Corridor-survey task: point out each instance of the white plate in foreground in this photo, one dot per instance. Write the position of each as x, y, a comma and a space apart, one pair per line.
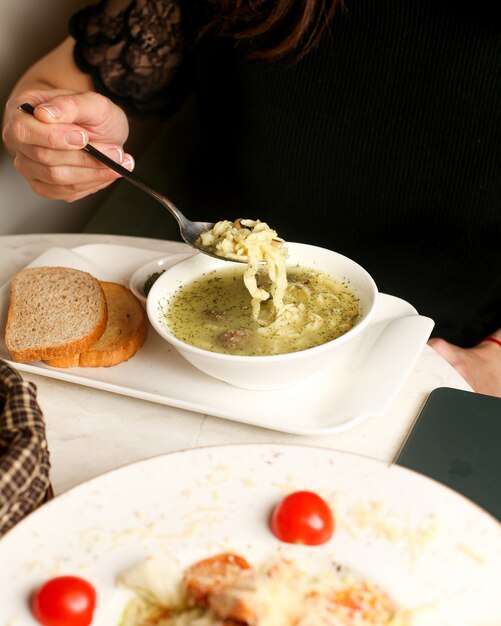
431, 549
322, 404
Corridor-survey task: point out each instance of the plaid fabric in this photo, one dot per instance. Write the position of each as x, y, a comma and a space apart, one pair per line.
24, 456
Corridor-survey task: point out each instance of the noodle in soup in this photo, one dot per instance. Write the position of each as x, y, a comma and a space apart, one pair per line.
214, 312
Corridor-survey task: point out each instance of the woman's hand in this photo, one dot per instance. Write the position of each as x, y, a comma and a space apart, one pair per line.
479, 366
47, 146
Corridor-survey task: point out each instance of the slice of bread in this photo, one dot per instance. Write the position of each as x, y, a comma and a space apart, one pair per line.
53, 312
125, 332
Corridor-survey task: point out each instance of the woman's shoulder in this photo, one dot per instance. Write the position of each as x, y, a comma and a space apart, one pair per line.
135, 52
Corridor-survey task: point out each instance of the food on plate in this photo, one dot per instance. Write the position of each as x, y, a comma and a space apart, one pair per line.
213, 313
303, 517
256, 243
53, 312
124, 334
64, 601
224, 590
222, 569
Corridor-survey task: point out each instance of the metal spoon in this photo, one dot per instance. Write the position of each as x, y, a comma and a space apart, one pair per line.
190, 231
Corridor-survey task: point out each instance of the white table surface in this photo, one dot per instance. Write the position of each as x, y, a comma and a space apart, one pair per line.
91, 431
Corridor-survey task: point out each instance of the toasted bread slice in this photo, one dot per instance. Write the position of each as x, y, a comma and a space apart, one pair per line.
124, 335
53, 312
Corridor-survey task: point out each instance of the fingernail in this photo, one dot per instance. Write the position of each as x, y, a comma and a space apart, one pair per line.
76, 138
129, 163
115, 154
51, 110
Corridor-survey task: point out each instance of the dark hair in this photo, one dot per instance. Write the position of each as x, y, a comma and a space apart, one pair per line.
282, 28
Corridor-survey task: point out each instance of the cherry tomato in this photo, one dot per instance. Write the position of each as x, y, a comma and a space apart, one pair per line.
303, 517
64, 601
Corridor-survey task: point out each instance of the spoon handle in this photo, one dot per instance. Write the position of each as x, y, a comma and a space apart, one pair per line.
132, 178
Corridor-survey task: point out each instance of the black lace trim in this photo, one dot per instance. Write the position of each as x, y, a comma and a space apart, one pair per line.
136, 53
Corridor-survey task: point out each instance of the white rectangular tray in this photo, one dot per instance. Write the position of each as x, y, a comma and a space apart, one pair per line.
320, 405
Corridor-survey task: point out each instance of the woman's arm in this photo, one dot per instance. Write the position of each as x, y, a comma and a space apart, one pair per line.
68, 114
480, 366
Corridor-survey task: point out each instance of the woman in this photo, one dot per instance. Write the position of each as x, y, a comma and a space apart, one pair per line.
371, 128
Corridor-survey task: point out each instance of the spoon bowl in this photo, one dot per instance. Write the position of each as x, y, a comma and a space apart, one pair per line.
190, 231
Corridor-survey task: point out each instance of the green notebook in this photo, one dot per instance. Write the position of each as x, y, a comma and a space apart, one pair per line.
457, 441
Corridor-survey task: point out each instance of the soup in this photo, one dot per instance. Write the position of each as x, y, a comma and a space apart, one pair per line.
214, 312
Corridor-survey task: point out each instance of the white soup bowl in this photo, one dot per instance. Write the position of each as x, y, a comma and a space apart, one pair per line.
275, 371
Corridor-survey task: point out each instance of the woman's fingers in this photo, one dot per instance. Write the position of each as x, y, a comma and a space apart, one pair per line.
47, 146
50, 179
52, 158
65, 121
27, 131
65, 192
58, 169
98, 116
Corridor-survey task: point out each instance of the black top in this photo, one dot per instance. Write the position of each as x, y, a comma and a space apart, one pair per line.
383, 143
